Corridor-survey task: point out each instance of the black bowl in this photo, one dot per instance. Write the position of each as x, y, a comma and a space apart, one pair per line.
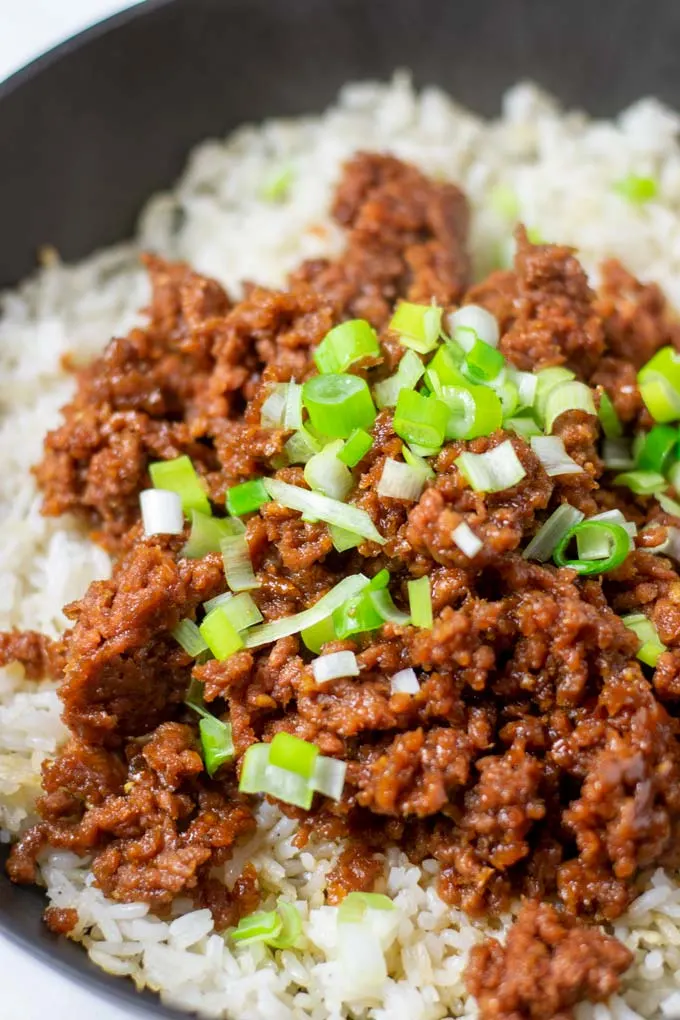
94, 127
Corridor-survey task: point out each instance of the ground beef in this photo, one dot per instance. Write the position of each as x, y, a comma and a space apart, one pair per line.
549, 963
61, 920
538, 757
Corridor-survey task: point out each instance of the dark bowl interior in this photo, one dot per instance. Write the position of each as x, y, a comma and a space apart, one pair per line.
97, 125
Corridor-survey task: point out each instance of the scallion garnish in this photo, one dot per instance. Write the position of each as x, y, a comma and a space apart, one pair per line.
549, 535
659, 384
609, 419
179, 475
240, 609
325, 472
187, 634
219, 634
207, 533
636, 189
334, 666
301, 446
162, 512
421, 420
483, 363
651, 645
338, 404
357, 445
482, 323
346, 344
420, 602
466, 540
473, 411
567, 396
418, 326
401, 481
342, 515
493, 471
642, 483
216, 743
409, 372
553, 456
238, 567
304, 771
404, 682
657, 448
307, 620
610, 541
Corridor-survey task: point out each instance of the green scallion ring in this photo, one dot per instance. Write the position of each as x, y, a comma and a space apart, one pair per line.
619, 547
338, 404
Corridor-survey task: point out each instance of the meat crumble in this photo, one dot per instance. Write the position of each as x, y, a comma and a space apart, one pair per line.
538, 757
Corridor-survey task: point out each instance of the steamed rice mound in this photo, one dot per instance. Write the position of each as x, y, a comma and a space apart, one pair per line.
50, 563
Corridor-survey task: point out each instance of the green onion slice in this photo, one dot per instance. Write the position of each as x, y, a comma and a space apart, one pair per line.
338, 404
421, 420
291, 927
345, 344
612, 551
216, 743
483, 363
240, 609
670, 506
553, 456
651, 646
552, 531
617, 454
301, 446
273, 410
355, 448
187, 634
325, 472
355, 905
473, 411
567, 396
642, 483
657, 448
342, 515
609, 419
357, 615
420, 602
636, 189
524, 427
342, 539
418, 326
493, 471
292, 413
238, 567
207, 533
219, 634
401, 481
659, 383
179, 475
478, 320
290, 752
262, 926
409, 372
309, 618
546, 381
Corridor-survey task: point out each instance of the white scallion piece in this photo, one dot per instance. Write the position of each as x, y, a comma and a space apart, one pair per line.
328, 777
273, 410
404, 682
614, 517
553, 456
551, 532
238, 567
161, 512
466, 540
321, 610
476, 318
617, 454
335, 665
332, 511
400, 481
326, 474
493, 471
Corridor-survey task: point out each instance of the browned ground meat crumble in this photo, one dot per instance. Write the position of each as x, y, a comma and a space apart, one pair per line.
537, 760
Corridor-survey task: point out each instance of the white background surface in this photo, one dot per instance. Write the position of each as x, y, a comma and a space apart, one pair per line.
29, 991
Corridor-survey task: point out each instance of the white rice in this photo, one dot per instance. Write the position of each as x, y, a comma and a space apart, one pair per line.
562, 167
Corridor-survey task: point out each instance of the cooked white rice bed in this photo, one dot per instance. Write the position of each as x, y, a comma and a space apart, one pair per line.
562, 168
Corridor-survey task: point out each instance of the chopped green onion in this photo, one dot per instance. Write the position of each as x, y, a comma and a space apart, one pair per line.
278, 183
238, 567
273, 410
301, 446
334, 666
355, 905
466, 540
651, 646
444, 368
194, 699
567, 396
546, 381
404, 682
657, 448
325, 473
216, 742
417, 462
637, 190
319, 634
508, 394
343, 515
483, 363
493, 471
408, 373
420, 420
292, 414
241, 611
609, 419
400, 481
609, 515
179, 475
482, 323
503, 200
524, 427
345, 344
551, 532
527, 384
291, 927
262, 926
161, 512
642, 483
617, 454
219, 634
338, 404
207, 533
246, 497
329, 777
342, 539
420, 602
357, 615
418, 326
674, 475
187, 634
309, 618
473, 411
659, 383
381, 580
553, 456
356, 447
670, 506
612, 553
289, 752
384, 605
